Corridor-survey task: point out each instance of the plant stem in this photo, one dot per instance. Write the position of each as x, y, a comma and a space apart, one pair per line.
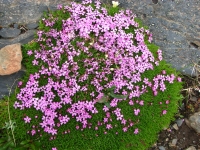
11, 127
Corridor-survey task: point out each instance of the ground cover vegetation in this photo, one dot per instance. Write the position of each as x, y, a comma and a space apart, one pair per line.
94, 81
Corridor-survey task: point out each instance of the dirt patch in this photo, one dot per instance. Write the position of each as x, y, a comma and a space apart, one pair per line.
182, 137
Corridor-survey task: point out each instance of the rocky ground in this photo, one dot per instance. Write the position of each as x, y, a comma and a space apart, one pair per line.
179, 136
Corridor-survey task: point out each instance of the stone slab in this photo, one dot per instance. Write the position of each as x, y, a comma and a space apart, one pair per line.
22, 38
7, 81
9, 32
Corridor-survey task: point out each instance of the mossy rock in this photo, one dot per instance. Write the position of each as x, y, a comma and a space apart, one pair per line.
77, 76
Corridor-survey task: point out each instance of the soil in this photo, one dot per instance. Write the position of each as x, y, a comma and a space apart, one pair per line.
183, 137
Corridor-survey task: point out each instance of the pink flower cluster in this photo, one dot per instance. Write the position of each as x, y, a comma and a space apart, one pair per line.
119, 63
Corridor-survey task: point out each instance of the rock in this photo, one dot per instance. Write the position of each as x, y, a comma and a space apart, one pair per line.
31, 26
161, 148
9, 32
179, 122
26, 11
173, 143
175, 126
7, 81
194, 122
155, 1
191, 148
194, 99
22, 38
15, 25
10, 59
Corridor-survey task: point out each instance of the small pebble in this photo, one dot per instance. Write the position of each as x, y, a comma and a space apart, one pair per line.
194, 99
174, 141
173, 144
161, 148
191, 148
179, 122
175, 126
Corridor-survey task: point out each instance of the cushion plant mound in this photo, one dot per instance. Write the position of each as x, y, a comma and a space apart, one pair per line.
94, 82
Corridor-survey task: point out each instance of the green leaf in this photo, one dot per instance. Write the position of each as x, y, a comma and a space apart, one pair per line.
118, 96
5, 146
20, 148
107, 104
32, 147
3, 140
12, 144
37, 144
111, 89
24, 142
10, 125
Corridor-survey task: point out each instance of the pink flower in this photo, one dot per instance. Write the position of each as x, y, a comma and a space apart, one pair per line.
167, 101
136, 111
108, 114
125, 129
20, 83
136, 131
33, 132
27, 119
77, 127
109, 126
54, 148
105, 120
164, 112
179, 79
163, 72
105, 108
155, 93
141, 103
131, 102
29, 52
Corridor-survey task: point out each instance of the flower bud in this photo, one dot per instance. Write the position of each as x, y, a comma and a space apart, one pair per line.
115, 3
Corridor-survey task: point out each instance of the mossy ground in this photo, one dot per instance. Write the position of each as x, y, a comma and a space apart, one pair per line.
150, 121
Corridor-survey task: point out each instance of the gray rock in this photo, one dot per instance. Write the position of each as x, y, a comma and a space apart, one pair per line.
179, 122
26, 11
175, 126
31, 26
9, 32
193, 98
173, 143
194, 122
161, 148
22, 38
7, 81
191, 148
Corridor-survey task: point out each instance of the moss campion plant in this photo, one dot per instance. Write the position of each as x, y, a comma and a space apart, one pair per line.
94, 81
